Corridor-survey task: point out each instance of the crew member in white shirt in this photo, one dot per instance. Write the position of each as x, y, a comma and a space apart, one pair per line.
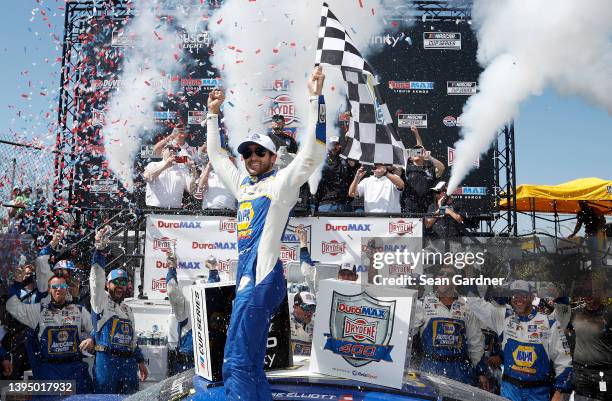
380, 192
168, 179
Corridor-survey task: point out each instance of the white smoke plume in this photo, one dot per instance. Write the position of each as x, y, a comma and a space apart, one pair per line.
146, 71
256, 42
526, 46
260, 41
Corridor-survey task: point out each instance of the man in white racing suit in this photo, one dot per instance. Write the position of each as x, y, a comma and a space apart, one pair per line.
265, 198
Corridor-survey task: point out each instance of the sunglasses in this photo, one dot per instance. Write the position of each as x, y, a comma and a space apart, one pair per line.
259, 151
120, 281
308, 307
62, 286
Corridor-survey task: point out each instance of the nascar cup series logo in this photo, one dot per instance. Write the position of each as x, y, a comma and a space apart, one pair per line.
360, 328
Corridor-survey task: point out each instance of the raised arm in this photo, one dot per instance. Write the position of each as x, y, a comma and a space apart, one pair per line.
313, 148
43, 269
28, 314
220, 161
97, 277
175, 295
491, 316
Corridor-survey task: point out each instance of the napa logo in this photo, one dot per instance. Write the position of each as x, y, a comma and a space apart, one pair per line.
524, 358
245, 216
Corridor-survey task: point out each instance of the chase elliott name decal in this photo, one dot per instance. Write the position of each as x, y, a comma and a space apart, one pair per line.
360, 328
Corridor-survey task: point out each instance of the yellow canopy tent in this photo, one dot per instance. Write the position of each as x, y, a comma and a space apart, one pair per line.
563, 198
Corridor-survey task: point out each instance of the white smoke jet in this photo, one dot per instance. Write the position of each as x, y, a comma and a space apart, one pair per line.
526, 46
145, 73
258, 42
130, 109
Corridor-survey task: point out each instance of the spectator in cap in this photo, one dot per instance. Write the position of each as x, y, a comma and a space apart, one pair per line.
332, 192
169, 178
119, 360
280, 136
537, 360
302, 312
422, 170
447, 220
380, 192
347, 273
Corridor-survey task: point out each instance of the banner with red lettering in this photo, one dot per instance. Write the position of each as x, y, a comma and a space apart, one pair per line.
196, 238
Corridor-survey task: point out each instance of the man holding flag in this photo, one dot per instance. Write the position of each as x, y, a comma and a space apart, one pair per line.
265, 198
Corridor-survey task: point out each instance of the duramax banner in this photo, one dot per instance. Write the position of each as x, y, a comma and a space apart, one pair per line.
196, 238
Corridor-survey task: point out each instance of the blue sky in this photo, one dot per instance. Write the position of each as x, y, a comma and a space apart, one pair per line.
558, 138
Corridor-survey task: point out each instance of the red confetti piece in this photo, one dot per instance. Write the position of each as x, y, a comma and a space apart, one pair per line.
275, 50
394, 24
361, 3
372, 10
147, 83
219, 21
157, 36
257, 51
333, 88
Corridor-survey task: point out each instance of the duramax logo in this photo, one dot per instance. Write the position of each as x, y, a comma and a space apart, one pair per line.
348, 227
213, 245
411, 86
180, 265
179, 224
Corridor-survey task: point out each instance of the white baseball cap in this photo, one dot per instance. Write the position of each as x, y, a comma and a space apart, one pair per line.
259, 139
333, 139
520, 285
308, 298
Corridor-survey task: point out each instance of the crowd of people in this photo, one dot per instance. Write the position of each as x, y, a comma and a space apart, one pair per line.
184, 174
513, 346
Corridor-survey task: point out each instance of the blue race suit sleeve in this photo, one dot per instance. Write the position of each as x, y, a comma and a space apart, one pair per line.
305, 256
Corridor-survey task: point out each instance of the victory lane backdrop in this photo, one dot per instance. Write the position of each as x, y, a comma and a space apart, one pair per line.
432, 73
427, 73
196, 238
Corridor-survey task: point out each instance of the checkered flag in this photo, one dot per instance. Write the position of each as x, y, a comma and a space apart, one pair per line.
371, 137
